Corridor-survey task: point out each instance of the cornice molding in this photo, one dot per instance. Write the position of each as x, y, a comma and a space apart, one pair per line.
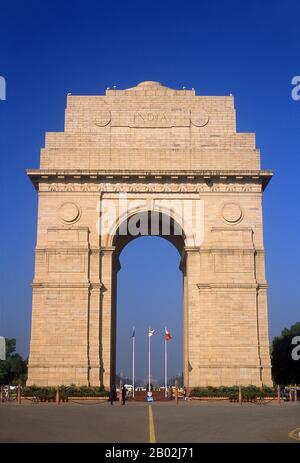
71, 177
228, 250
229, 286
36, 284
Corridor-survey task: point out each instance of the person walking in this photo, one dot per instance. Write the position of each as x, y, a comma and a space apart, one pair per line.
123, 394
112, 395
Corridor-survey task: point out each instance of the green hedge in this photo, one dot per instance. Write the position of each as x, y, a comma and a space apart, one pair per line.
49, 393
83, 391
42, 393
248, 392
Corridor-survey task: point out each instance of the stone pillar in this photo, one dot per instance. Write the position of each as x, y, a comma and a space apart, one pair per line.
262, 318
185, 322
263, 334
191, 320
94, 334
107, 318
59, 352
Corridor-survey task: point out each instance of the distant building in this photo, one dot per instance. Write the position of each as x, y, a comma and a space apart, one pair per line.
2, 348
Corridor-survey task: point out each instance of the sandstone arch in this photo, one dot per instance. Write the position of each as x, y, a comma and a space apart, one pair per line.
152, 143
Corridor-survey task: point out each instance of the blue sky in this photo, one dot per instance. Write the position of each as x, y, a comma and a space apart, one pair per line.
50, 48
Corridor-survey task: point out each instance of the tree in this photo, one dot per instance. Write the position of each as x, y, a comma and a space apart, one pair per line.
285, 370
14, 368
10, 346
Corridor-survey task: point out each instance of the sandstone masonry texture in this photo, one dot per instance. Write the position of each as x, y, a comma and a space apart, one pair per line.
150, 143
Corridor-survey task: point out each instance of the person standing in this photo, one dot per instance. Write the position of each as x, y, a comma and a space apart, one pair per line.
123, 394
112, 395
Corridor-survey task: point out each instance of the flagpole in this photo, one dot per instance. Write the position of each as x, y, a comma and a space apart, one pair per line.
133, 345
149, 355
166, 365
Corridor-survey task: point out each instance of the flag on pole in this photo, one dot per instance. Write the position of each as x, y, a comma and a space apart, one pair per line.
133, 332
167, 338
150, 332
167, 335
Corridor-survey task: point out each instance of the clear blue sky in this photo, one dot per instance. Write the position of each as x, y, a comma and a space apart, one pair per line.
49, 48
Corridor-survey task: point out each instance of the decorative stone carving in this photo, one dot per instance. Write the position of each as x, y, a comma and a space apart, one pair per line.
191, 187
232, 212
199, 118
102, 118
69, 212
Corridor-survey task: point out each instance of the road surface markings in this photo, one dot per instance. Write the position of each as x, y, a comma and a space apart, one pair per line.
152, 439
295, 434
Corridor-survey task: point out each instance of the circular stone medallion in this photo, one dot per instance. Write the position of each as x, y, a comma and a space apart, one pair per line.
69, 212
102, 118
232, 212
199, 118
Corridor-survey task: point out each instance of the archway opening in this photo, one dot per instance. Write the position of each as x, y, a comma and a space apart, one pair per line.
148, 291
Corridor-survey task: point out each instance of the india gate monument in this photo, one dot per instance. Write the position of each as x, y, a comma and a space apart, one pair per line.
171, 163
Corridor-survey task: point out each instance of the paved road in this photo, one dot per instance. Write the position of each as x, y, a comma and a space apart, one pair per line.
140, 422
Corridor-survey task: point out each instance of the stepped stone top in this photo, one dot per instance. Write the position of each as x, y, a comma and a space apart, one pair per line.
149, 83
150, 87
